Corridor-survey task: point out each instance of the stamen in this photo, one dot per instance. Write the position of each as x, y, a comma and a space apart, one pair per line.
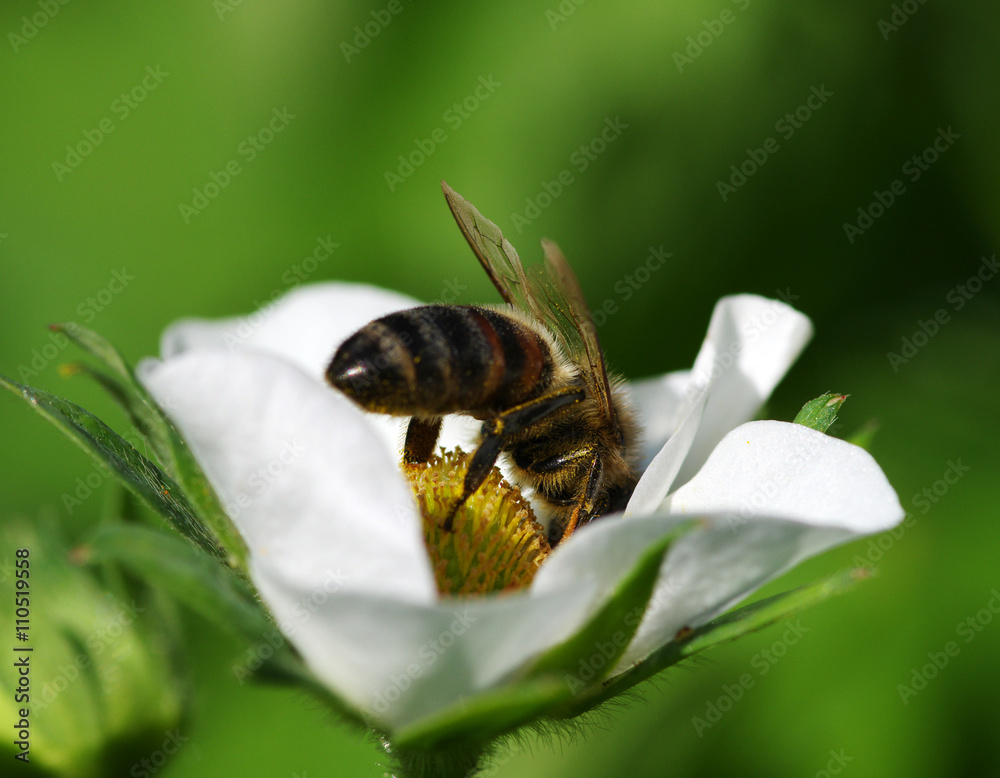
495, 544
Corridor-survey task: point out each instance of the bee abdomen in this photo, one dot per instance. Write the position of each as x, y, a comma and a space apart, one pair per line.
440, 359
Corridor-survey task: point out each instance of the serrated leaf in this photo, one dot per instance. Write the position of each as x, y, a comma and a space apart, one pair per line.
157, 429
724, 629
820, 413
145, 479
93, 343
596, 647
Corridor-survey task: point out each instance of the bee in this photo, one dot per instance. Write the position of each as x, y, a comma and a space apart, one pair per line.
531, 370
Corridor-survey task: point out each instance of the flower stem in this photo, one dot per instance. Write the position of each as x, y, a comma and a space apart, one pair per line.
456, 762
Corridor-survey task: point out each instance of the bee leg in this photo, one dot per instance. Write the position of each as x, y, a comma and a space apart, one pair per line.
480, 466
584, 508
498, 430
421, 437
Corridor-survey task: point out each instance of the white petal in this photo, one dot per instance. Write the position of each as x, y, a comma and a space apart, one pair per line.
335, 546
715, 566
751, 343
661, 404
779, 469
402, 661
299, 472
774, 494
659, 475
304, 326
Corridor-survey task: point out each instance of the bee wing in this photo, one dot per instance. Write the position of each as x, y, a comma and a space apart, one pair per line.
568, 314
550, 294
495, 254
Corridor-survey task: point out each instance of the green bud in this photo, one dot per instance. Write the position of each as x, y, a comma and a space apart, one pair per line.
820, 413
89, 689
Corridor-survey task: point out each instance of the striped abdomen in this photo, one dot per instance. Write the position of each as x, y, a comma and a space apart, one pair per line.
440, 359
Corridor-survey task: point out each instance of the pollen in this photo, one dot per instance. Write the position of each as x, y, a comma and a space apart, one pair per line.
495, 544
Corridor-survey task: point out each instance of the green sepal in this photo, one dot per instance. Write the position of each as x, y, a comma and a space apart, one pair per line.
485, 716
159, 432
156, 489
820, 413
724, 629
600, 642
543, 687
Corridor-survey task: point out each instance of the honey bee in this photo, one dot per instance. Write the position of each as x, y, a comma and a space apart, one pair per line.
531, 370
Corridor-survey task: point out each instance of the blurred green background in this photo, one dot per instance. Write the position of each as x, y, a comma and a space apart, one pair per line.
693, 89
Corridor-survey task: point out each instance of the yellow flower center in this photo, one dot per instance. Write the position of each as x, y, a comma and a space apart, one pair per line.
495, 544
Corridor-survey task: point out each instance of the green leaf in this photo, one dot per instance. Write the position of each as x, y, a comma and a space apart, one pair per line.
820, 413
157, 429
146, 480
724, 629
485, 716
597, 646
193, 577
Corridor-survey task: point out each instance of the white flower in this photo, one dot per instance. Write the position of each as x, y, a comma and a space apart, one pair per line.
334, 536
